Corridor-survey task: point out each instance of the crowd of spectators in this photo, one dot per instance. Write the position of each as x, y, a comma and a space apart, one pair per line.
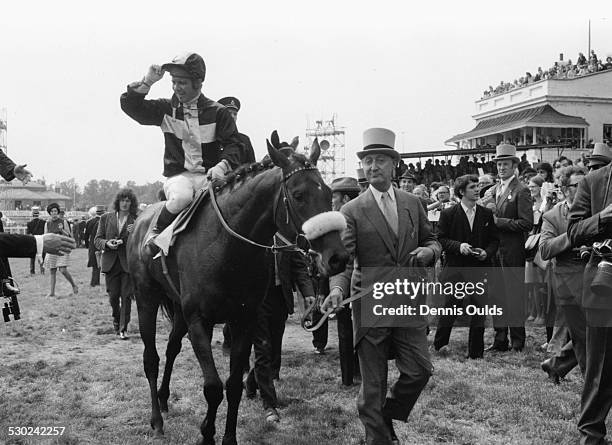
560, 70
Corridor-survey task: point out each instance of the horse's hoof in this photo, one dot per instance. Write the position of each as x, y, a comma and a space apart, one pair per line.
229, 440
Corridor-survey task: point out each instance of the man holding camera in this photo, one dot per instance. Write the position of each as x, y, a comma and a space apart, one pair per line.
591, 223
568, 269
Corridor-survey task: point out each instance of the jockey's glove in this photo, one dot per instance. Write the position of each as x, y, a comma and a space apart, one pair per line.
219, 171
154, 74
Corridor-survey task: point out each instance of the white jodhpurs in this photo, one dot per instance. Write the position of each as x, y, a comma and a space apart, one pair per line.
179, 189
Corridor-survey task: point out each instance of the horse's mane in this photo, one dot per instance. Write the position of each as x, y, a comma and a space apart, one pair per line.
242, 172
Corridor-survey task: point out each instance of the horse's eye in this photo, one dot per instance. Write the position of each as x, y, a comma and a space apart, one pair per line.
298, 196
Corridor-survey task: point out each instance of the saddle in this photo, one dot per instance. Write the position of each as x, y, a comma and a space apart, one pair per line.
167, 238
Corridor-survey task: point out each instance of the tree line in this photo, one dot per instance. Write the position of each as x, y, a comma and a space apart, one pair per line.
103, 191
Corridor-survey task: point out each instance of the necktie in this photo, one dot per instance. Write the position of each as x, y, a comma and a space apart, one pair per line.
389, 211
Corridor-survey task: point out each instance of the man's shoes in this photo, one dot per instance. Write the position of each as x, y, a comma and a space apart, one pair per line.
552, 374
271, 415
123, 335
389, 423
444, 351
320, 350
496, 348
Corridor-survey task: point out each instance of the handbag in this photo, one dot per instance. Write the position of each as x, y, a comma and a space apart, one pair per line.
539, 261
531, 246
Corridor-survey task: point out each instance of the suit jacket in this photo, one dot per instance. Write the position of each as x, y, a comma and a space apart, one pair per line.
247, 154
292, 272
585, 227
454, 229
7, 167
514, 211
108, 229
370, 243
555, 245
17, 246
36, 226
91, 230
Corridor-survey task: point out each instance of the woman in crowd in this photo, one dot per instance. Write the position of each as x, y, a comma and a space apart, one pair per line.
534, 276
545, 171
53, 262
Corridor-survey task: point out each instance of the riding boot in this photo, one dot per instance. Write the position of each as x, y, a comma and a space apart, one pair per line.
164, 219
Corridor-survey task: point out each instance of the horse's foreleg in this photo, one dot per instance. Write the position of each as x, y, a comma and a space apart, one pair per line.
179, 329
241, 346
201, 335
147, 319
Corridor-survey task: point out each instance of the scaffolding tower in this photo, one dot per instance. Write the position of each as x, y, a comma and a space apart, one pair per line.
3, 129
331, 163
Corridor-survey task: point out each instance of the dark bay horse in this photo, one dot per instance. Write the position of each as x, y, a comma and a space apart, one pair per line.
221, 278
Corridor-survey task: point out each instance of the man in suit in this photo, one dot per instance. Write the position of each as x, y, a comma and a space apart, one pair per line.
568, 270
590, 220
386, 229
513, 215
111, 238
247, 154
93, 254
288, 270
36, 227
468, 237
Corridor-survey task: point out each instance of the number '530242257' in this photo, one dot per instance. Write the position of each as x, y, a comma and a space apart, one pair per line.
36, 430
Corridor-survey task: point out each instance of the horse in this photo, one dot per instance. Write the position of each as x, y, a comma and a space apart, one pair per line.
217, 270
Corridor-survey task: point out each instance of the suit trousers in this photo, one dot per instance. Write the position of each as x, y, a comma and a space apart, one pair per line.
573, 353
319, 337
414, 364
509, 294
95, 276
119, 289
349, 361
597, 393
476, 333
267, 344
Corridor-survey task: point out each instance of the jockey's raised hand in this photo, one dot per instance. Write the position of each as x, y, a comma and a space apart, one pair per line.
219, 171
154, 74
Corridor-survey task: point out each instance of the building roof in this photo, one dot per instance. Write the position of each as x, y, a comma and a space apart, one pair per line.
542, 116
23, 194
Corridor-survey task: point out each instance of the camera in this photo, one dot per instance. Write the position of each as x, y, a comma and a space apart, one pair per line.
584, 253
11, 307
602, 281
9, 291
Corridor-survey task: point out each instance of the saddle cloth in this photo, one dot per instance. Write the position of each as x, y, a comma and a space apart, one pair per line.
167, 238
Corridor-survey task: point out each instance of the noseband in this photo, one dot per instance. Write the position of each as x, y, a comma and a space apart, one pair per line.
300, 238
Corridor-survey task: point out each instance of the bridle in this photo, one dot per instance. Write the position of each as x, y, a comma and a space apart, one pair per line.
290, 217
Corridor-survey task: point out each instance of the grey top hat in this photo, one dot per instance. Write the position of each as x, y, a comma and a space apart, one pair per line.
379, 141
504, 152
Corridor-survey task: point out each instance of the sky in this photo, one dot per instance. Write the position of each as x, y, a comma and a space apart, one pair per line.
413, 68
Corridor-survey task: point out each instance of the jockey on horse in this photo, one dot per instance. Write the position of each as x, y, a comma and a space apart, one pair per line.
201, 139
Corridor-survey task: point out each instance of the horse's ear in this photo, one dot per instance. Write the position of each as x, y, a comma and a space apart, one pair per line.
295, 142
278, 157
275, 140
315, 151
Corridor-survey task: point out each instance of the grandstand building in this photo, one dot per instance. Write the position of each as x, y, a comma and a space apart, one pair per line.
569, 113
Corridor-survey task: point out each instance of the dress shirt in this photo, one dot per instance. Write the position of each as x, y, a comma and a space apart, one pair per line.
392, 220
470, 213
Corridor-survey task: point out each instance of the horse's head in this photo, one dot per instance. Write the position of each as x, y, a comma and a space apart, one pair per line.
304, 205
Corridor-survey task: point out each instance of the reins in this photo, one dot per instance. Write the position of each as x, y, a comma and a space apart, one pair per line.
274, 248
